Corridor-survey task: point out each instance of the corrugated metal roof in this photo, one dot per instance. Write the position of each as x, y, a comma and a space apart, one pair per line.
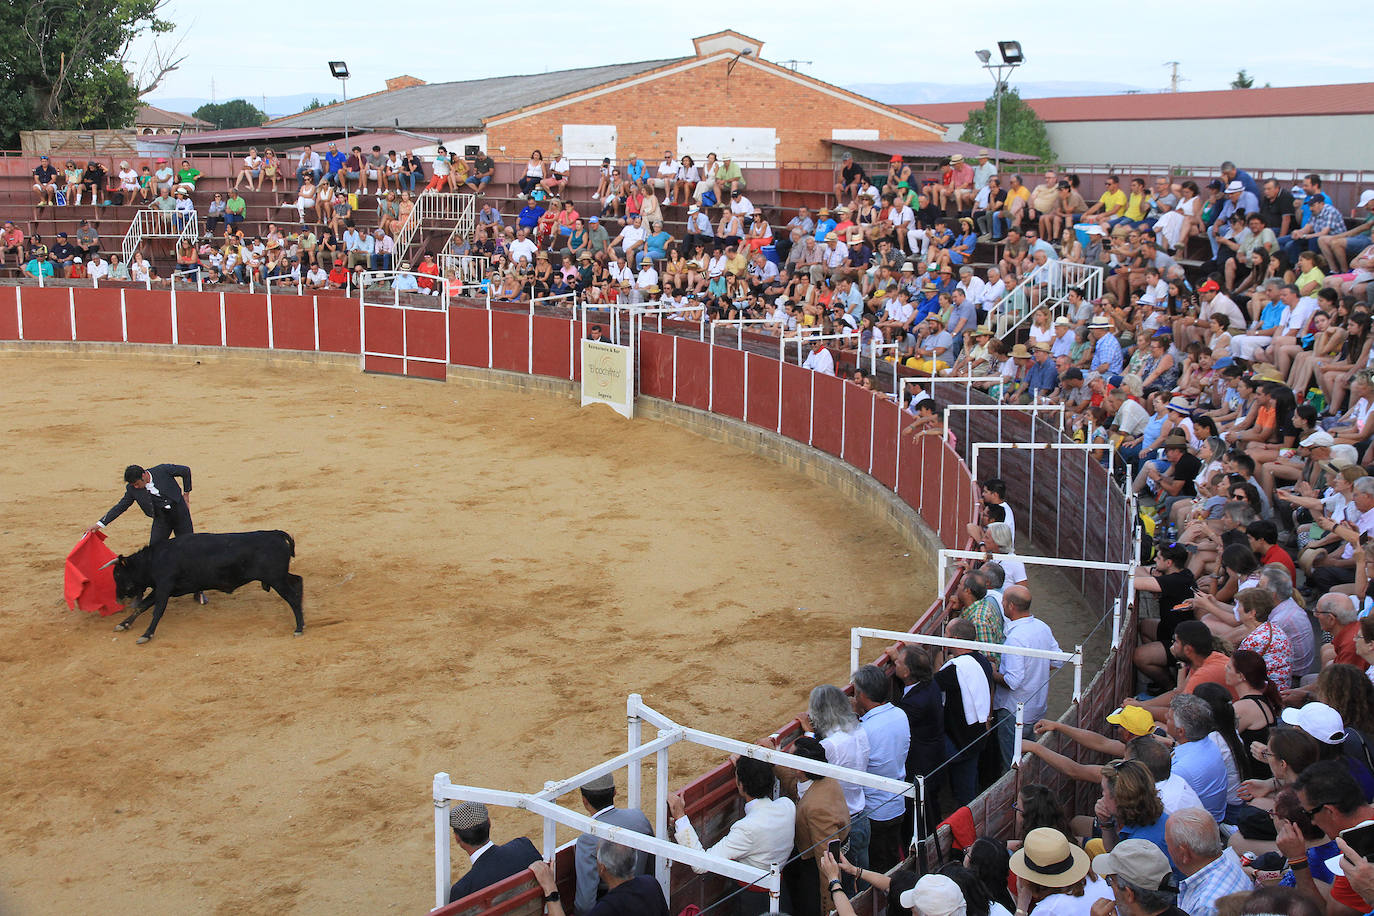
466, 103
1338, 99
924, 149
152, 116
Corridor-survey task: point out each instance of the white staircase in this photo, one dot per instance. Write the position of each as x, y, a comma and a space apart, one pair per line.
158, 224
1047, 285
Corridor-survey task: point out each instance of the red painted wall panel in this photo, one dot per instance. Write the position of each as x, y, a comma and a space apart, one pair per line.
763, 392
384, 329
727, 372
9, 313
245, 320
858, 416
97, 315
885, 420
387, 365
552, 350
47, 314
467, 331
796, 402
293, 322
148, 315
422, 369
198, 319
339, 331
656, 365
510, 341
827, 418
425, 330
693, 373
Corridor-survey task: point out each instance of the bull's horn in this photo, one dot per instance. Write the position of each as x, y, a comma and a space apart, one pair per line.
111, 563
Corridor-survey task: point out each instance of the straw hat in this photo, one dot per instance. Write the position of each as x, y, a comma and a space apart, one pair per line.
956, 159
1020, 352
1181, 406
1048, 859
1101, 323
982, 331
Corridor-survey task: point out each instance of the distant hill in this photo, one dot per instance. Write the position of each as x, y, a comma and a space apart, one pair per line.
277, 106
926, 93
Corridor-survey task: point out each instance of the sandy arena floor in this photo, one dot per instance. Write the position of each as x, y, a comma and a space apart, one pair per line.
487, 575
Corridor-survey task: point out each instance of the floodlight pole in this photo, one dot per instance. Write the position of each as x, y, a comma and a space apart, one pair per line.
343, 83
999, 73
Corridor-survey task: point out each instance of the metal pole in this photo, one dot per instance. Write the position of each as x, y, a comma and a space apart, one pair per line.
1016, 738
998, 93
1078, 674
442, 861
636, 725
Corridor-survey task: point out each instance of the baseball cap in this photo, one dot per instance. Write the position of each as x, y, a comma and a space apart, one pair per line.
1318, 720
935, 895
1366, 198
1135, 719
1139, 862
1318, 439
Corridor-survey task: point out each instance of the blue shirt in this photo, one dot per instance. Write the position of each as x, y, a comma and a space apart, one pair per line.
1271, 314
637, 170
1251, 185
335, 160
1152, 832
889, 738
1201, 766
1107, 350
1042, 377
405, 282
529, 216
824, 228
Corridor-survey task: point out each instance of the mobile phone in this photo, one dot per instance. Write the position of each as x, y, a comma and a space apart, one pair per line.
835, 845
1361, 839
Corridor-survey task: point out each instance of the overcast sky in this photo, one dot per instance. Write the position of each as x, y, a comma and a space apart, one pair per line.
282, 49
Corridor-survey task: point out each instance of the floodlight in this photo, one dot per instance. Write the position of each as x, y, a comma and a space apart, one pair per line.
338, 69
984, 55
1011, 52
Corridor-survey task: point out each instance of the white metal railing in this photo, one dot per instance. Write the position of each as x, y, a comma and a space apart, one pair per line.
1047, 285
465, 269
434, 208
159, 224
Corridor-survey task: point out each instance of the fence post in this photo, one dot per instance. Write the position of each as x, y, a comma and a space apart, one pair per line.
1116, 622
1078, 674
635, 727
442, 863
1016, 738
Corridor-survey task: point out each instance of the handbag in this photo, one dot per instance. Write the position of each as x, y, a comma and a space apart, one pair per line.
708, 199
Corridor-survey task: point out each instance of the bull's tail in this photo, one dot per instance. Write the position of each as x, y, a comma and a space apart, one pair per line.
290, 541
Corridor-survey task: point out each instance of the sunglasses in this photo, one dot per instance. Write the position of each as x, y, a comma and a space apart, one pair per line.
1312, 812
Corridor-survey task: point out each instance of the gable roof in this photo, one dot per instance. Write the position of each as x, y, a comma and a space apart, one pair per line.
465, 103
1339, 99
152, 116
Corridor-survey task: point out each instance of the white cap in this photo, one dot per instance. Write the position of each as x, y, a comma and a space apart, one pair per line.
1318, 720
1366, 198
934, 895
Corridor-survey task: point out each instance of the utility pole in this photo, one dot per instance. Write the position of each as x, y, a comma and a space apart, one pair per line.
793, 65
1174, 78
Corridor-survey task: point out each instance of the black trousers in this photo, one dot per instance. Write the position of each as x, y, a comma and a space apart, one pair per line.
884, 844
176, 521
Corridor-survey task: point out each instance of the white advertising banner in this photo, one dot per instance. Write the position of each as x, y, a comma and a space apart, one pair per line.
606, 376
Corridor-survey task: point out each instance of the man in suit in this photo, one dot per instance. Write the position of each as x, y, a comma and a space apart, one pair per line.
598, 797
156, 492
490, 863
630, 894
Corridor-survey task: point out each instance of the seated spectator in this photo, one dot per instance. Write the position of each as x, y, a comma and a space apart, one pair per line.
762, 838
1210, 871
1054, 876
1140, 876
628, 893
188, 175
11, 244
1130, 807
490, 863
1196, 758
598, 798
250, 170
45, 180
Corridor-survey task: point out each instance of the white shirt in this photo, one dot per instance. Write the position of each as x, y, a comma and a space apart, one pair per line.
762, 838
1365, 525
1301, 315
848, 749
1176, 794
1221, 304
741, 206
647, 277
252, 162
992, 294
523, 248
901, 216
1028, 679
1132, 419
667, 169
97, 270
559, 165
1064, 905
821, 361
974, 289
631, 235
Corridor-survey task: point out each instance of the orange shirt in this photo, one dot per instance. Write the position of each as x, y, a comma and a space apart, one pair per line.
1211, 671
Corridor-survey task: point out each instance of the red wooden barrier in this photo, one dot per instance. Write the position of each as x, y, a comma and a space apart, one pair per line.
467, 335
554, 341
198, 320
727, 375
293, 322
796, 402
148, 315
885, 428
47, 314
245, 320
693, 373
858, 425
510, 341
9, 314
827, 419
762, 398
384, 337
98, 315
338, 320
425, 337
656, 365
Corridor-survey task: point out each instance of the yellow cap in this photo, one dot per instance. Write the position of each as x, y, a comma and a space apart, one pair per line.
1135, 719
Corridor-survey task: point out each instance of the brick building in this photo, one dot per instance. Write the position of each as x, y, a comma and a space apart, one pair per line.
723, 98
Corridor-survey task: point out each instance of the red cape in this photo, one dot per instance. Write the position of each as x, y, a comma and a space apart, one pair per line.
86, 586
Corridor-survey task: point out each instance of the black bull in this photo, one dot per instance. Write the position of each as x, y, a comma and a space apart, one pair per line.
204, 562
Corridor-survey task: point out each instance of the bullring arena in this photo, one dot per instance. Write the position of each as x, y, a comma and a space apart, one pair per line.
488, 572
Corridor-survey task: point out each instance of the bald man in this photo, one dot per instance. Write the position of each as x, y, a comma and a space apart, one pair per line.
1021, 678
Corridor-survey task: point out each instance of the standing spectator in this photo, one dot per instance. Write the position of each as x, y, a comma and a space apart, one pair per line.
973, 605
1210, 871
762, 838
598, 798
1021, 679
889, 738
629, 893
45, 182
965, 678
822, 817
921, 700
490, 863
830, 718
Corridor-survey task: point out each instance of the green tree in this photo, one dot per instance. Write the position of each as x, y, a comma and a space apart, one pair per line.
66, 66
1243, 80
314, 103
231, 114
1022, 129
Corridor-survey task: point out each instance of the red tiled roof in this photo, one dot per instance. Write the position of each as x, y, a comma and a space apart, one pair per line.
922, 149
1339, 99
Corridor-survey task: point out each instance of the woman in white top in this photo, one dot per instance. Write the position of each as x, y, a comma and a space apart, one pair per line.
534, 173
128, 180
1001, 540
708, 177
1041, 329
1047, 884
305, 197
251, 171
1173, 227
688, 175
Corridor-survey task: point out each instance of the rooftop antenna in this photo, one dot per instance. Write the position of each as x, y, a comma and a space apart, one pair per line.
1174, 78
794, 64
